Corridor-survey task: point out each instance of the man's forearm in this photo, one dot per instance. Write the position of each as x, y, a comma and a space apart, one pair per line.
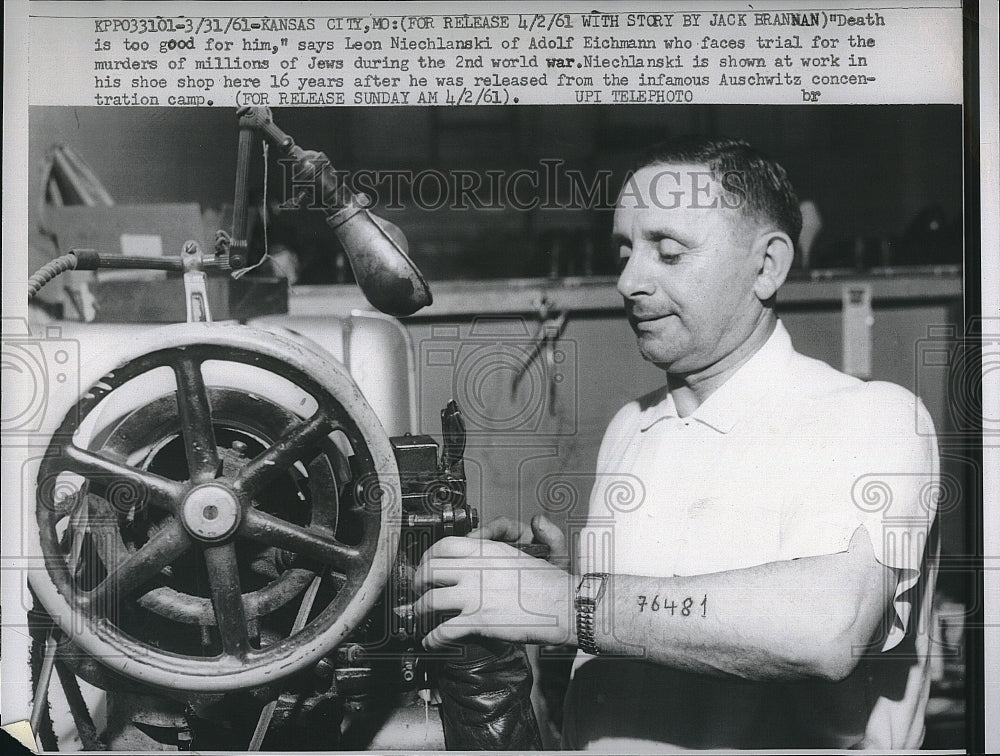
783, 620
794, 619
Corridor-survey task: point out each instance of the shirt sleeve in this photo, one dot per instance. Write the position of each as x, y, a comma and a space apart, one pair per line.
590, 555
867, 458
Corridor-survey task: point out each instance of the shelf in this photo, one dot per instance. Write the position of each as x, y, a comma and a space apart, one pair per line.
595, 294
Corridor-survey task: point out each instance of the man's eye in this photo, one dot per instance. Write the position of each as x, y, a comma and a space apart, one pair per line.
670, 250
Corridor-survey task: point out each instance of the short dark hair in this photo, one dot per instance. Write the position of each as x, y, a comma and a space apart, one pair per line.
769, 194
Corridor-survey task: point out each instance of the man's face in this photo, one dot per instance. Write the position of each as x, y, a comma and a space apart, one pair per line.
687, 269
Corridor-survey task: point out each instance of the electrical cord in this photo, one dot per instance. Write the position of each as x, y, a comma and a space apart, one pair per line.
49, 271
75, 259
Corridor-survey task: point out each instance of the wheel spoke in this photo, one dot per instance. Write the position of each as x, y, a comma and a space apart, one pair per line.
124, 483
265, 528
196, 420
227, 599
286, 451
107, 538
138, 568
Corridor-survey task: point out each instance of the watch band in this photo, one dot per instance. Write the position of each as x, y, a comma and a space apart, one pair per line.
585, 611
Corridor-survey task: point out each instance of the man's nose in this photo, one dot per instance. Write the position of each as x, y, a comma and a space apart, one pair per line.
635, 280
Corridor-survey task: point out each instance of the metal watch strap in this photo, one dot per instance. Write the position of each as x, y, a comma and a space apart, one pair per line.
585, 611
585, 630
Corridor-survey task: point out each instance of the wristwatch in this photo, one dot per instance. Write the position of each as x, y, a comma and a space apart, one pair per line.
588, 594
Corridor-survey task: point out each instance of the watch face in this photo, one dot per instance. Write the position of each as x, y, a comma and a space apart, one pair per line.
591, 587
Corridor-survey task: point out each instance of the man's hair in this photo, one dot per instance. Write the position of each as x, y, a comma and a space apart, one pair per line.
768, 194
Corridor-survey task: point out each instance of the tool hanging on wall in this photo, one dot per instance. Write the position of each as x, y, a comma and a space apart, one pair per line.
546, 336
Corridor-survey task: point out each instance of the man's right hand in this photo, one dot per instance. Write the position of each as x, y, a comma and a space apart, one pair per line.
541, 530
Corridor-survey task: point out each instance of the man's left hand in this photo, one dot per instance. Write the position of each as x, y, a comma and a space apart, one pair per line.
492, 590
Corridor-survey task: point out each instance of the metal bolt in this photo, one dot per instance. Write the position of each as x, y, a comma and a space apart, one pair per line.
325, 669
409, 670
354, 705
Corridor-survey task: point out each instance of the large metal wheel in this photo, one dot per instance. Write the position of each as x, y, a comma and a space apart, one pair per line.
141, 539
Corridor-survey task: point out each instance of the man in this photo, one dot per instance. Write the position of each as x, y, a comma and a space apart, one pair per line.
764, 586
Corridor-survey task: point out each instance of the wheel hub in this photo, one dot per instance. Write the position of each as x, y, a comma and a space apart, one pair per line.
211, 512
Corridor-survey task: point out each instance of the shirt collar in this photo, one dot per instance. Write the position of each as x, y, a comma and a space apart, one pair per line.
739, 395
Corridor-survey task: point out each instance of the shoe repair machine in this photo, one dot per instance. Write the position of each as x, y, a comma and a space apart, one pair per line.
230, 567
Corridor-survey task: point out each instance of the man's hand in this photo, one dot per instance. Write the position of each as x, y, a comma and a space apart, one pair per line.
541, 531
489, 589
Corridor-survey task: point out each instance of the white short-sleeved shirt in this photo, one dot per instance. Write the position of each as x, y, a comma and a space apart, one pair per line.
787, 459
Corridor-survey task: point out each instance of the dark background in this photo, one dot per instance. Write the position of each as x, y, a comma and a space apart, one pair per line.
886, 179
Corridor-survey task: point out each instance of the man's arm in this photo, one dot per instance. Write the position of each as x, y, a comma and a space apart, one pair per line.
795, 619
804, 618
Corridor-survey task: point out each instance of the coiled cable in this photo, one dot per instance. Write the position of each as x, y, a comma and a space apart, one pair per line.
49, 271
75, 259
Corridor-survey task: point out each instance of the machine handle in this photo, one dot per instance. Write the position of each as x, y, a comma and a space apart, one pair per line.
453, 435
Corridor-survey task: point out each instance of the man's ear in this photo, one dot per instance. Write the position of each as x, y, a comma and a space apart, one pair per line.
774, 250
